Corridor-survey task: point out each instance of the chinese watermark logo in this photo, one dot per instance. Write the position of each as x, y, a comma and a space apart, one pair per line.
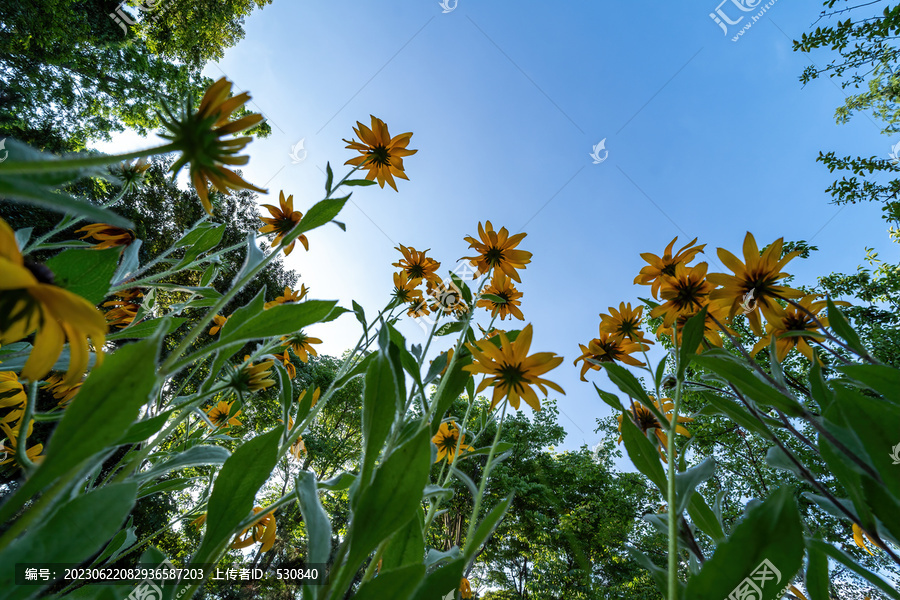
5, 154
298, 153
895, 153
748, 304
600, 147
737, 8
752, 587
120, 17
448, 5
895, 455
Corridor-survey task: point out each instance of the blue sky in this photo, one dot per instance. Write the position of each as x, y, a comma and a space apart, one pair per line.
707, 138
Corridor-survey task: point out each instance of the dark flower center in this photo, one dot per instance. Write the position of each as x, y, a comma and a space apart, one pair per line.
493, 256
41, 272
380, 155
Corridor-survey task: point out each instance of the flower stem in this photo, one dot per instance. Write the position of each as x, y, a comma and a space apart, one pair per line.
473, 520
71, 164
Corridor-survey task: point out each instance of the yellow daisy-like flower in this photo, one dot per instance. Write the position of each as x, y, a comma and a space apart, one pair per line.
218, 324
664, 266
418, 309
381, 154
199, 136
446, 298
199, 521
301, 344
496, 249
221, 416
858, 534
123, 311
511, 371
417, 265
132, 172
684, 292
647, 421
298, 448
465, 590
624, 322
715, 315
252, 378
12, 393
406, 290
262, 531
757, 278
315, 397
284, 218
289, 296
446, 439
502, 287
9, 447
608, 348
107, 235
29, 301
60, 391
285, 359
790, 319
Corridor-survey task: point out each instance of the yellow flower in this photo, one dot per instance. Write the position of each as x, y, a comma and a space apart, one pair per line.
315, 397
492, 332
511, 371
625, 323
715, 315
220, 415
858, 534
12, 393
647, 421
29, 301
107, 235
284, 218
608, 348
289, 296
754, 283
64, 393
465, 589
791, 319
285, 360
446, 439
218, 324
418, 309
199, 521
502, 287
123, 310
301, 344
262, 531
405, 289
446, 298
252, 378
418, 266
664, 266
684, 292
8, 448
198, 135
381, 154
497, 250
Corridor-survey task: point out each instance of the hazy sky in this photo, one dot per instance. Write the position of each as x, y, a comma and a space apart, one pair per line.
706, 137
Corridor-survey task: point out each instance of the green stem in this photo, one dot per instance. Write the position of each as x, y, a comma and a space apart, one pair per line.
39, 508
71, 164
484, 476
373, 564
22, 442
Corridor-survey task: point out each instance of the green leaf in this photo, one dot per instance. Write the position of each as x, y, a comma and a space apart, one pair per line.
686, 483
129, 264
253, 257
611, 399
205, 236
849, 562
396, 584
234, 492
778, 459
406, 546
749, 384
486, 528
643, 453
841, 326
883, 379
704, 518
737, 413
318, 526
691, 338
278, 320
392, 498
770, 531
147, 328
329, 178
23, 236
628, 383
441, 581
107, 404
359, 182
192, 457
360, 313
76, 531
168, 485
660, 575
338, 482
85, 272
437, 365
319, 214
818, 583
140, 431
453, 384
451, 327
494, 298
18, 188
380, 395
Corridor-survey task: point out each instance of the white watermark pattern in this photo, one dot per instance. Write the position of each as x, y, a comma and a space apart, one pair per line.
748, 304
751, 588
148, 589
895, 455
731, 13
121, 17
895, 153
3, 148
597, 149
298, 153
448, 5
